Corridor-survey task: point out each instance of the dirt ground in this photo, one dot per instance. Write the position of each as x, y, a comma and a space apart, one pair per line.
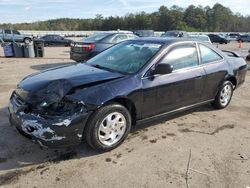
156, 154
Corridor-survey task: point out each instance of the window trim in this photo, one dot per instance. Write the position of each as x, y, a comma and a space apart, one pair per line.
165, 52
168, 48
212, 62
173, 48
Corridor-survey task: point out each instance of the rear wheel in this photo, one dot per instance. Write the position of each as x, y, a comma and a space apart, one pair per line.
108, 127
224, 96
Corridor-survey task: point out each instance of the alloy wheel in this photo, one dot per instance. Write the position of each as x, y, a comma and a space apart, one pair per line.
225, 95
112, 129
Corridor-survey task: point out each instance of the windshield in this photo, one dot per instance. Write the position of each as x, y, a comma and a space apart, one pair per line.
96, 37
127, 57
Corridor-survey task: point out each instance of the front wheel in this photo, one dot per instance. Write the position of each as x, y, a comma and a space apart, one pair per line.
108, 127
224, 96
27, 40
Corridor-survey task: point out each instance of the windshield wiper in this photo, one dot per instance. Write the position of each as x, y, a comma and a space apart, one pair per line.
97, 66
104, 68
107, 69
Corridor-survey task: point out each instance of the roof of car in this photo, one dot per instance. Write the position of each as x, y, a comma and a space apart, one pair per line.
165, 40
176, 31
112, 33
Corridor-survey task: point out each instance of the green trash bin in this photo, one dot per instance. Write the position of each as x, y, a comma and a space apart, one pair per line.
39, 47
29, 50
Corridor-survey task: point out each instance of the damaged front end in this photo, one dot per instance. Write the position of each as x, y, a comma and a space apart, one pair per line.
48, 116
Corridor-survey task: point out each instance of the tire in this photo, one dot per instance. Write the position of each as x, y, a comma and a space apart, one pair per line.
103, 132
224, 96
27, 40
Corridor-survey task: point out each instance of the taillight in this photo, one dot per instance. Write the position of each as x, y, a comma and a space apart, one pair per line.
88, 47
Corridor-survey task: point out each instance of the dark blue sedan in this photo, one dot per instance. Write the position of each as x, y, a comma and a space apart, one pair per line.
129, 83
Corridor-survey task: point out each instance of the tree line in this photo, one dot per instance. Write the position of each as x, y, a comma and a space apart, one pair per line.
194, 18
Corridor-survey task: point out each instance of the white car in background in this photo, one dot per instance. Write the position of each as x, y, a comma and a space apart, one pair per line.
203, 38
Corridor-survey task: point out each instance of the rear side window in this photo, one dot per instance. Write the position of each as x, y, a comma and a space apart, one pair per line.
182, 57
208, 55
45, 37
132, 36
7, 31
120, 38
56, 37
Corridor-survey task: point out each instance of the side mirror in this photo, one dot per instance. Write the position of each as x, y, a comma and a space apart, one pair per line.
163, 69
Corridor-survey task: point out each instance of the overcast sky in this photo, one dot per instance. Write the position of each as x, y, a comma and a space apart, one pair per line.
16, 11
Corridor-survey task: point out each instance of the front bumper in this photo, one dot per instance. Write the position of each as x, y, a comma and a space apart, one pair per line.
54, 133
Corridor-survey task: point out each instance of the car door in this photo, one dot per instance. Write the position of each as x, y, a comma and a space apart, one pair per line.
60, 41
7, 35
55, 40
46, 40
17, 36
181, 88
215, 68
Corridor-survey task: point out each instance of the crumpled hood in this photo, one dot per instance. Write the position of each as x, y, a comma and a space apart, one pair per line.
76, 75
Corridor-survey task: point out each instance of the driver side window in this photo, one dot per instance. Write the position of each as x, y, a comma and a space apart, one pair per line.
182, 57
15, 32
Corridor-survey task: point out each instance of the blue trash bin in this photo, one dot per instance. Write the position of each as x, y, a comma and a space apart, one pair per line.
8, 49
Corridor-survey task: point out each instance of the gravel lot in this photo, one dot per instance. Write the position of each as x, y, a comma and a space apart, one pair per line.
155, 154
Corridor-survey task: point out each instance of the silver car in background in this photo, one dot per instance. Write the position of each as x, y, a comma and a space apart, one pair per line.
203, 38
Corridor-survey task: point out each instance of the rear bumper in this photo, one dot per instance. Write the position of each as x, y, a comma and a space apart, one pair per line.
53, 133
241, 75
76, 56
79, 56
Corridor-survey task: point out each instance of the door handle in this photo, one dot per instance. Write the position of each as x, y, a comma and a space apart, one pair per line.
199, 76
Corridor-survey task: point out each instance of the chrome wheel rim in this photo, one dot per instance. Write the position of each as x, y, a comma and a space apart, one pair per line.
225, 95
112, 128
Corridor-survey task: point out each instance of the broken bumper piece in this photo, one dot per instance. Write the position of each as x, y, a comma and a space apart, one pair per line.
51, 133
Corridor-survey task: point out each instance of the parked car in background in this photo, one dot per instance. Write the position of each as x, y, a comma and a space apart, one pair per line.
144, 33
9, 35
132, 82
233, 36
203, 38
244, 38
175, 33
218, 39
93, 45
55, 40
